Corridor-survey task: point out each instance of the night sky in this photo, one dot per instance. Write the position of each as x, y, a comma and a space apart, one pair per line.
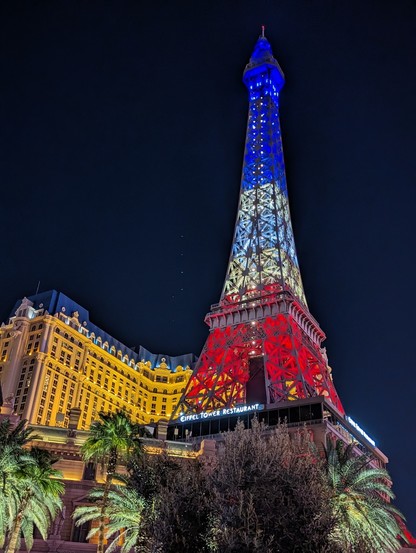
122, 133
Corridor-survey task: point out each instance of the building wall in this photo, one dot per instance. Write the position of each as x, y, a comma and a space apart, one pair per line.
50, 363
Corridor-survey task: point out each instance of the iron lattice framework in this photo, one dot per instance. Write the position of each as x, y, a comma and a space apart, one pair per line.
262, 325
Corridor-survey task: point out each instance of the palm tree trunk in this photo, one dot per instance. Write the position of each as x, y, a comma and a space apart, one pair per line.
111, 469
101, 530
14, 533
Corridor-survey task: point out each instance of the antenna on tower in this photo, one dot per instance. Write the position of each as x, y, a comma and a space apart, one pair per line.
37, 288
263, 27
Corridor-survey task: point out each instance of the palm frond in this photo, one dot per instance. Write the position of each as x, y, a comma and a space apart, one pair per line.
360, 499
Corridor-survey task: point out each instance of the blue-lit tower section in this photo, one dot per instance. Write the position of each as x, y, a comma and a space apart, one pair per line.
263, 257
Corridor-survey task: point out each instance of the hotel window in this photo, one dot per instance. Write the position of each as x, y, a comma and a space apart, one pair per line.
89, 472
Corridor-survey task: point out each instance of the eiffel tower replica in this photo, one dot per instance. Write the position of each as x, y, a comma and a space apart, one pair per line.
264, 345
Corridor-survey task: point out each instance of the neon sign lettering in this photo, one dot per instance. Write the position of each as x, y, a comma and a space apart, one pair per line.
361, 431
222, 412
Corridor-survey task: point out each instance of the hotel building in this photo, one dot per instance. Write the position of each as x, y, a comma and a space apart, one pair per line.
59, 369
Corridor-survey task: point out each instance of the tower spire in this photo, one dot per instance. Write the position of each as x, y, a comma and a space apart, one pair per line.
263, 257
262, 30
264, 345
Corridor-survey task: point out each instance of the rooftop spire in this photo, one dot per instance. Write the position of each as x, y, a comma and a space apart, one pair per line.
262, 31
263, 257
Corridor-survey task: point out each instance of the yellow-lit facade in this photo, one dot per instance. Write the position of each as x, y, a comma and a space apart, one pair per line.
52, 365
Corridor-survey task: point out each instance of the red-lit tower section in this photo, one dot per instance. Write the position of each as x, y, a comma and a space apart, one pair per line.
264, 345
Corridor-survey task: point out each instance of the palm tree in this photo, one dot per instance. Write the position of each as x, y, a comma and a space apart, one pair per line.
361, 495
35, 499
9, 465
12, 460
113, 439
124, 511
17, 435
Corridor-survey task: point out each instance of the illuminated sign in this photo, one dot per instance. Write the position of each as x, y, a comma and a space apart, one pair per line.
239, 409
360, 430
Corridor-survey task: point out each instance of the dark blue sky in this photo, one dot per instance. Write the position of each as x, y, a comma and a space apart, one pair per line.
122, 132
